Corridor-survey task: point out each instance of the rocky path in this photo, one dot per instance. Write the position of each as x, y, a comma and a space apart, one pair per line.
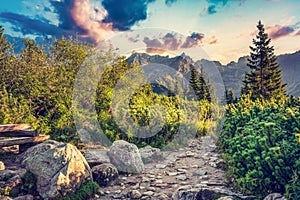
195, 165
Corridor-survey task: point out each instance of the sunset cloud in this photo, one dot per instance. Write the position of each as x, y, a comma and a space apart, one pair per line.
278, 31
172, 42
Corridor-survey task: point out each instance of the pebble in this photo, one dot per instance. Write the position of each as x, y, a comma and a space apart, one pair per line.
148, 193
160, 166
172, 173
181, 177
134, 194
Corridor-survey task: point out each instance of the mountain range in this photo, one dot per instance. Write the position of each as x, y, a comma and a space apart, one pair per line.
230, 75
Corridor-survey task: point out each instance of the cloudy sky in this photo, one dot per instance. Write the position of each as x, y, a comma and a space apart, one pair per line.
220, 29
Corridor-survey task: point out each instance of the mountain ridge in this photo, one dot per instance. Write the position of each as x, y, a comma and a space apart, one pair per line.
232, 73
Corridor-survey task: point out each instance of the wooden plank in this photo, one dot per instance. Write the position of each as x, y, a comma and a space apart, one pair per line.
23, 140
20, 133
14, 127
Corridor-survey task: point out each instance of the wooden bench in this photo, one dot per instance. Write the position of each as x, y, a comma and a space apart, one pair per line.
20, 134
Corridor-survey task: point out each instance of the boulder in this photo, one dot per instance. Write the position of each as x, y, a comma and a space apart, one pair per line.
96, 156
149, 154
60, 168
275, 196
105, 174
204, 192
2, 166
126, 157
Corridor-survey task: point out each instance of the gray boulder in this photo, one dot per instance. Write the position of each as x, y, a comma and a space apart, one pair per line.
60, 168
204, 192
105, 174
126, 157
96, 156
150, 154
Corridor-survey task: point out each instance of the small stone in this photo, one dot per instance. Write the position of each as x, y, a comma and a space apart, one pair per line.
151, 176
158, 181
160, 166
212, 164
2, 166
144, 179
117, 196
182, 170
118, 191
172, 173
162, 185
274, 196
190, 154
148, 193
134, 194
226, 198
159, 177
107, 192
153, 189
181, 177
200, 172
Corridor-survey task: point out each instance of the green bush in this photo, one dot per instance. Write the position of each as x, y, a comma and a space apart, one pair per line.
86, 191
259, 144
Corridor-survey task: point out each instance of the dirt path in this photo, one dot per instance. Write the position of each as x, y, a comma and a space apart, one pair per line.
199, 163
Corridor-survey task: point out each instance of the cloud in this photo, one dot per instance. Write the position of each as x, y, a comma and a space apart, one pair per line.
172, 42
298, 33
26, 25
215, 5
81, 17
125, 13
169, 2
212, 40
193, 40
93, 27
278, 31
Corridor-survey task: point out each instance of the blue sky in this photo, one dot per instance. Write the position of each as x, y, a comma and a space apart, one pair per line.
220, 29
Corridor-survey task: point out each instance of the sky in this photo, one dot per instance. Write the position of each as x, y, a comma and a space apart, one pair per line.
213, 29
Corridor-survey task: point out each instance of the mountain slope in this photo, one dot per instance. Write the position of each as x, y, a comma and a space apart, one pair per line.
231, 75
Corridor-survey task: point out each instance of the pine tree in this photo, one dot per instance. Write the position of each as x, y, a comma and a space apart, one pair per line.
265, 78
199, 86
229, 96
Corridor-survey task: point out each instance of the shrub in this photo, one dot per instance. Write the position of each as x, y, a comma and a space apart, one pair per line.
262, 152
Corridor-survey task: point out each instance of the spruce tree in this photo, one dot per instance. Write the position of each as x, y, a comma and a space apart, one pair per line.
229, 96
199, 86
264, 79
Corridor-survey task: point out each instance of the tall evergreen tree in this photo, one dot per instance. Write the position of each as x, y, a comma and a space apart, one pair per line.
265, 78
199, 86
229, 96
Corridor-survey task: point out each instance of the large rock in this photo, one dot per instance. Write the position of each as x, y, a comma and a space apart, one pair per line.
105, 174
150, 154
204, 192
275, 196
126, 157
60, 168
96, 156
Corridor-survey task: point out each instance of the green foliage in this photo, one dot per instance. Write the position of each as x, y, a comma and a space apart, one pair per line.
265, 78
259, 144
28, 186
86, 191
37, 87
